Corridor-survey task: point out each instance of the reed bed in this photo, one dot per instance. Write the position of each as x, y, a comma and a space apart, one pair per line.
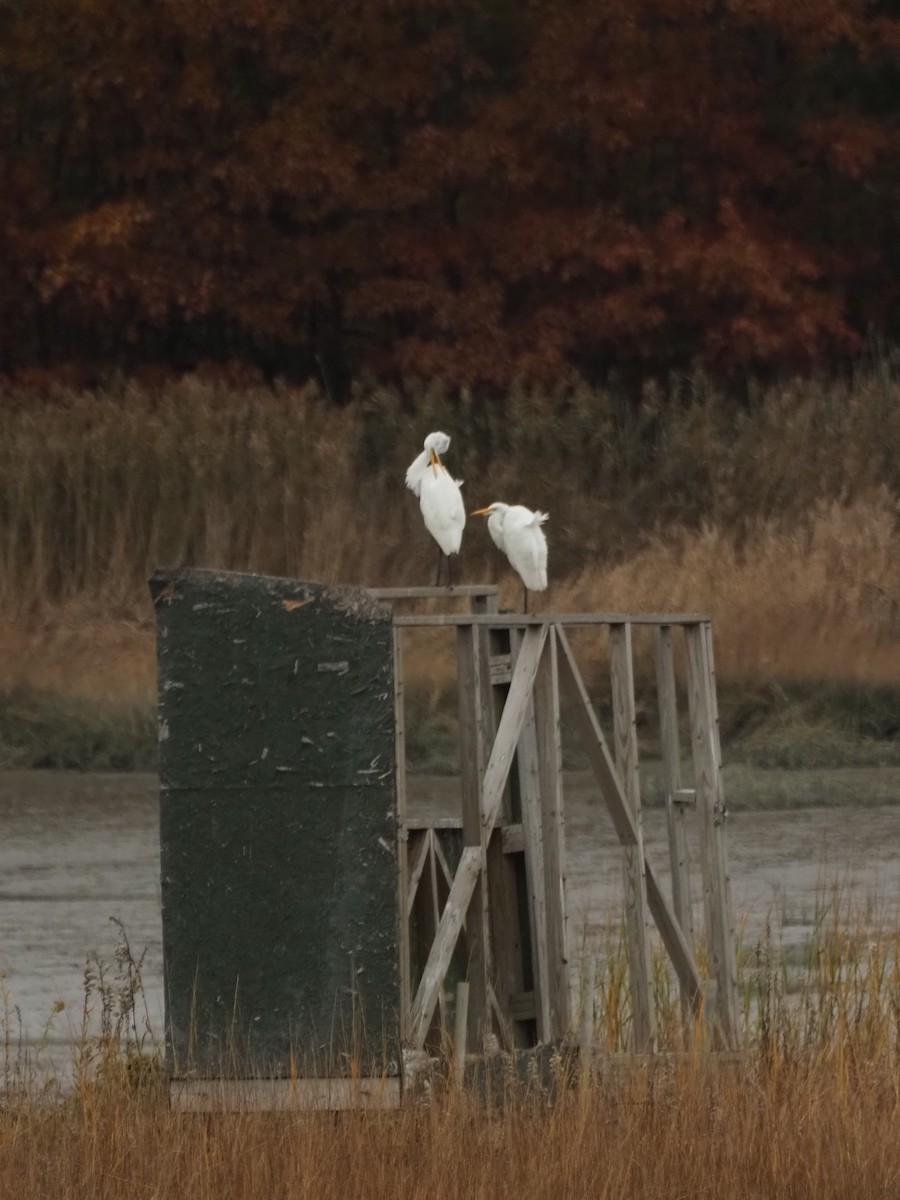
809, 1110
776, 512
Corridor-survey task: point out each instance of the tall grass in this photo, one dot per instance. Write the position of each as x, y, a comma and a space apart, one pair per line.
810, 1111
776, 512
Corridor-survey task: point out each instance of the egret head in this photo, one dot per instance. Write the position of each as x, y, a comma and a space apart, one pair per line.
436, 444
497, 507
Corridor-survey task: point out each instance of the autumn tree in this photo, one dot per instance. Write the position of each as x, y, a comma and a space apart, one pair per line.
477, 190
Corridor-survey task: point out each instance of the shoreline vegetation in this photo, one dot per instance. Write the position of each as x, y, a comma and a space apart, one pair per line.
774, 509
807, 1109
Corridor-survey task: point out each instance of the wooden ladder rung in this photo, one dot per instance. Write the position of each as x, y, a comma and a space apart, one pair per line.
684, 796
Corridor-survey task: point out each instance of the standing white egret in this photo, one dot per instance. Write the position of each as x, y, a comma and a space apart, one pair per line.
439, 498
516, 530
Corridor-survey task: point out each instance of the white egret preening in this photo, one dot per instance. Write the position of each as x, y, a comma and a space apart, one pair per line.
516, 530
439, 498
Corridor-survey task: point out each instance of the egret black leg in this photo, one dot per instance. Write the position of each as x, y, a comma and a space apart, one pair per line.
437, 582
449, 571
524, 599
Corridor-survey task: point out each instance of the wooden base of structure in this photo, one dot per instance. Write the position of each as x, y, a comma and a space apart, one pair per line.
283, 1095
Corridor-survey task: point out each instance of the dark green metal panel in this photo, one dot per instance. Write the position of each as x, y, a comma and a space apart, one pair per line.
277, 823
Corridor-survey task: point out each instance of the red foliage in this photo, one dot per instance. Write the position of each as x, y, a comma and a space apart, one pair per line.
477, 190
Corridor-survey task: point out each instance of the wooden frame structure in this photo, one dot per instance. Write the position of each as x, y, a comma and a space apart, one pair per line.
498, 916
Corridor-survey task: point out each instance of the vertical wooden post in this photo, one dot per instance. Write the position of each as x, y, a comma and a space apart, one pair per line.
533, 847
671, 760
472, 764
711, 810
637, 918
507, 936
402, 835
549, 754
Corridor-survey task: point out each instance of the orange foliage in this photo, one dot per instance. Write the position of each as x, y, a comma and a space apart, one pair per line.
481, 190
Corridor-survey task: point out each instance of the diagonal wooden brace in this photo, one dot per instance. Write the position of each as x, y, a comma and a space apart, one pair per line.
472, 862
676, 944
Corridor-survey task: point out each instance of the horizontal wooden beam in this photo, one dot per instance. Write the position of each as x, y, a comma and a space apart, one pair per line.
523, 620
283, 1095
465, 591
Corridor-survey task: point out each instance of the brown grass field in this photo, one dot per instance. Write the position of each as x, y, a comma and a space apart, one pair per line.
809, 1111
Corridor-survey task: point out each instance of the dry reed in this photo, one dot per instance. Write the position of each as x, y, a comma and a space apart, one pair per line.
810, 1111
776, 514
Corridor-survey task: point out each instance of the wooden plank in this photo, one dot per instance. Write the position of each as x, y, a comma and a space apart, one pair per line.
469, 663
441, 858
513, 839
611, 790
531, 620
436, 910
511, 722
463, 591
676, 796
500, 668
421, 840
510, 941
424, 821
403, 903
535, 875
444, 943
637, 922
549, 754
471, 861
283, 1095
711, 811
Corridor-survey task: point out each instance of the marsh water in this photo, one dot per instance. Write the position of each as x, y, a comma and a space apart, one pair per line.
78, 850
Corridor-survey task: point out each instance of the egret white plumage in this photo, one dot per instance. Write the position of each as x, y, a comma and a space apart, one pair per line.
439, 498
516, 530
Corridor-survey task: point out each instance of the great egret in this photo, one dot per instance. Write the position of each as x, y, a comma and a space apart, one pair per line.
516, 530
439, 498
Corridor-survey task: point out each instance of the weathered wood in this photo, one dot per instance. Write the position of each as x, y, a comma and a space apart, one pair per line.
506, 935
470, 660
420, 855
283, 1095
436, 910
549, 753
511, 722
425, 821
441, 858
676, 797
472, 861
460, 1025
465, 591
532, 620
444, 943
404, 904
513, 839
532, 843
711, 811
611, 790
500, 668
637, 923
